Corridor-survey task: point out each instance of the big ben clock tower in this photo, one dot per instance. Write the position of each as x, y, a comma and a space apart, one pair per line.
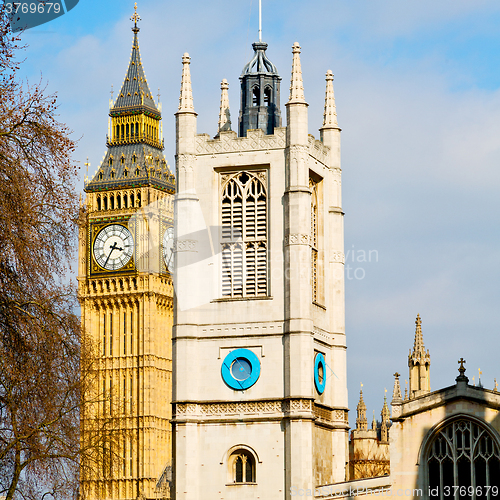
126, 296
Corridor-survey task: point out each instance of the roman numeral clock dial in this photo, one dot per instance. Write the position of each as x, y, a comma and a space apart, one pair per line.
113, 247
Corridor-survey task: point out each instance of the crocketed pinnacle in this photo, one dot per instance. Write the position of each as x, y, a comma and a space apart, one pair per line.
396, 393
330, 113
418, 344
385, 411
224, 115
374, 422
361, 420
186, 97
296, 84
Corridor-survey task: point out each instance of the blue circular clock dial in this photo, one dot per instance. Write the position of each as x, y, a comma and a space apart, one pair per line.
319, 373
240, 369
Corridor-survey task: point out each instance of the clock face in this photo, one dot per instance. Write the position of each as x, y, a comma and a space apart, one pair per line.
168, 248
113, 247
319, 373
240, 369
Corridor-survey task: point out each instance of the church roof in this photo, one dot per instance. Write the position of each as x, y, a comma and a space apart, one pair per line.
135, 92
259, 63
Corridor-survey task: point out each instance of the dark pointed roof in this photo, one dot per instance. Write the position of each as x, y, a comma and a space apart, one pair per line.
132, 165
259, 63
135, 92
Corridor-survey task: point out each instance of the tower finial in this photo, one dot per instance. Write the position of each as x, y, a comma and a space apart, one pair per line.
224, 115
186, 97
135, 17
330, 113
296, 84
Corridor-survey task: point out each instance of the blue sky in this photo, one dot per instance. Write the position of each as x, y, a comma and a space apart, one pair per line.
417, 91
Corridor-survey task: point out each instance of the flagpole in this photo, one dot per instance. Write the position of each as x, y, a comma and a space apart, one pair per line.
260, 20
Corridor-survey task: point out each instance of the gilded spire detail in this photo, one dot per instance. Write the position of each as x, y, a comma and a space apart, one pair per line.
135, 17
330, 112
296, 84
224, 114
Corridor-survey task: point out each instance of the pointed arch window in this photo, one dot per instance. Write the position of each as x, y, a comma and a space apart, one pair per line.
244, 234
463, 461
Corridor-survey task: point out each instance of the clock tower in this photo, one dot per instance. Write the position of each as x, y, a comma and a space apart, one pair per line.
126, 297
259, 390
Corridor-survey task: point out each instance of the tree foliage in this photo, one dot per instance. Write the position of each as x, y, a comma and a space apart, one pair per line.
42, 355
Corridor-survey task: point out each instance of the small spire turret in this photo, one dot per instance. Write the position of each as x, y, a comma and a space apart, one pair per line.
224, 114
419, 363
330, 112
374, 422
361, 420
186, 97
296, 83
385, 424
396, 393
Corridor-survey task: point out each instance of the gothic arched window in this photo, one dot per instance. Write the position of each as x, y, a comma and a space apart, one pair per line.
244, 235
463, 461
242, 464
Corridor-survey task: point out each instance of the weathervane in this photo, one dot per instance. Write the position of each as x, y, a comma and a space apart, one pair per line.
135, 18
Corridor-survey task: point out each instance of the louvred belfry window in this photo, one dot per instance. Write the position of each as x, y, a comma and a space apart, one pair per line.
314, 238
244, 234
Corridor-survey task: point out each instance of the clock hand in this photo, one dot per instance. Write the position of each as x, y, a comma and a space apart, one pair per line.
113, 247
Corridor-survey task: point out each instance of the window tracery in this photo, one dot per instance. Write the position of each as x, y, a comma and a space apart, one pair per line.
463, 461
244, 235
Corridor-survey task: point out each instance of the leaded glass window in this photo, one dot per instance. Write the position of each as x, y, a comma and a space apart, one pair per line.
463, 462
244, 234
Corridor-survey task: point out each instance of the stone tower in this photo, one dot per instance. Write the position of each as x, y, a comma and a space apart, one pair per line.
260, 398
126, 298
419, 362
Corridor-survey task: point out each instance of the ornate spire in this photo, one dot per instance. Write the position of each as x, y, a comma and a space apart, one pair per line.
385, 409
419, 364
396, 393
361, 421
224, 115
135, 90
418, 344
385, 424
296, 84
330, 113
374, 422
186, 97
